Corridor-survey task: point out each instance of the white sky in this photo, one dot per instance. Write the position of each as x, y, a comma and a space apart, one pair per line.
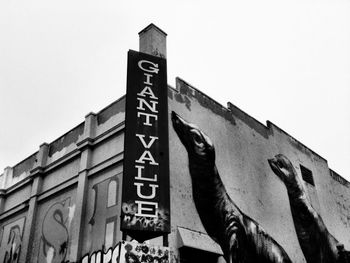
283, 61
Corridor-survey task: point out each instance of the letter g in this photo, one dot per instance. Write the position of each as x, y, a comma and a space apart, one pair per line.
153, 68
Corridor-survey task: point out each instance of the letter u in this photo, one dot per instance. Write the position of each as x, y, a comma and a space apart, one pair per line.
139, 194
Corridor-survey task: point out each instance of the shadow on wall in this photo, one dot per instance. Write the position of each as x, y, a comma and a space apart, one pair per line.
241, 238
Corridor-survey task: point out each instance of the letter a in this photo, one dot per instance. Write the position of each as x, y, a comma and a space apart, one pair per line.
148, 157
147, 91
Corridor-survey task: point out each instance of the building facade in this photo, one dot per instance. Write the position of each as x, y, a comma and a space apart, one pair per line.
63, 203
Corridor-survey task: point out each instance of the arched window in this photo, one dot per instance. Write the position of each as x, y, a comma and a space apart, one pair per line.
112, 193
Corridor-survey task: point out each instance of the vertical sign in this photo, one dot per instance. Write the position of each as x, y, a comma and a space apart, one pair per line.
145, 197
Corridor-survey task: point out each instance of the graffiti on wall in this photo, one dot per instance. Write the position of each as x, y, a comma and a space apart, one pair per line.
106, 200
11, 241
110, 256
143, 253
129, 252
240, 237
317, 244
54, 242
129, 218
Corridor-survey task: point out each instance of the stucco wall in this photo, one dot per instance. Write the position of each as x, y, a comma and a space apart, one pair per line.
67, 195
341, 196
54, 225
63, 201
103, 207
243, 146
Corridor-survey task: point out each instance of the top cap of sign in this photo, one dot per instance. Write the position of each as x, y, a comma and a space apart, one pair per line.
152, 26
153, 41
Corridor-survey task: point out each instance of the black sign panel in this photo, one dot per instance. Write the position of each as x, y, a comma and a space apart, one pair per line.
145, 201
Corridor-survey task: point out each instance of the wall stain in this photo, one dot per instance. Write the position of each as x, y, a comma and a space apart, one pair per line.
170, 93
66, 140
111, 110
339, 179
249, 120
25, 166
184, 100
341, 197
295, 143
186, 92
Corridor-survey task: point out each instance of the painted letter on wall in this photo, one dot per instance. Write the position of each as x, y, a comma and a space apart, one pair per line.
105, 213
11, 241
55, 227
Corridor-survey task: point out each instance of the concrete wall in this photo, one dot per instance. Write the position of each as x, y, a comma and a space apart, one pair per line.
243, 146
340, 194
63, 202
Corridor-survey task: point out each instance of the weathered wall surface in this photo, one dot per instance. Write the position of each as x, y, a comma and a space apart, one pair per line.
63, 202
53, 228
11, 235
103, 211
110, 116
243, 147
341, 195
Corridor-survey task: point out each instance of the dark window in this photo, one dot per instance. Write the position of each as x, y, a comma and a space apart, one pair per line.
307, 175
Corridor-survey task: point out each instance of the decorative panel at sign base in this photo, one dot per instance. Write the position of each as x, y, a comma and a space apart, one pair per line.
131, 252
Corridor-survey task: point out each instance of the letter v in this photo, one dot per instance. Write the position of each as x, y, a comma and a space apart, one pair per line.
147, 146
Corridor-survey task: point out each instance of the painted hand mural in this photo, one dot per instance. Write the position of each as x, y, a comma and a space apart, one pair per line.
317, 244
241, 238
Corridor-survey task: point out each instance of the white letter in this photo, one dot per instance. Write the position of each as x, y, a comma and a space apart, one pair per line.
107, 256
139, 194
149, 158
148, 79
93, 258
148, 91
98, 256
115, 254
142, 207
147, 146
139, 175
85, 259
151, 69
148, 115
143, 102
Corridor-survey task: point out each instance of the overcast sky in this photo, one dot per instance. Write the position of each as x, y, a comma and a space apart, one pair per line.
283, 61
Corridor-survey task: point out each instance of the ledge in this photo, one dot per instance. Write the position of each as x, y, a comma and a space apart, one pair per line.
197, 240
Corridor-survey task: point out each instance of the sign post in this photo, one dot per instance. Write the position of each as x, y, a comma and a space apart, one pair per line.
145, 196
